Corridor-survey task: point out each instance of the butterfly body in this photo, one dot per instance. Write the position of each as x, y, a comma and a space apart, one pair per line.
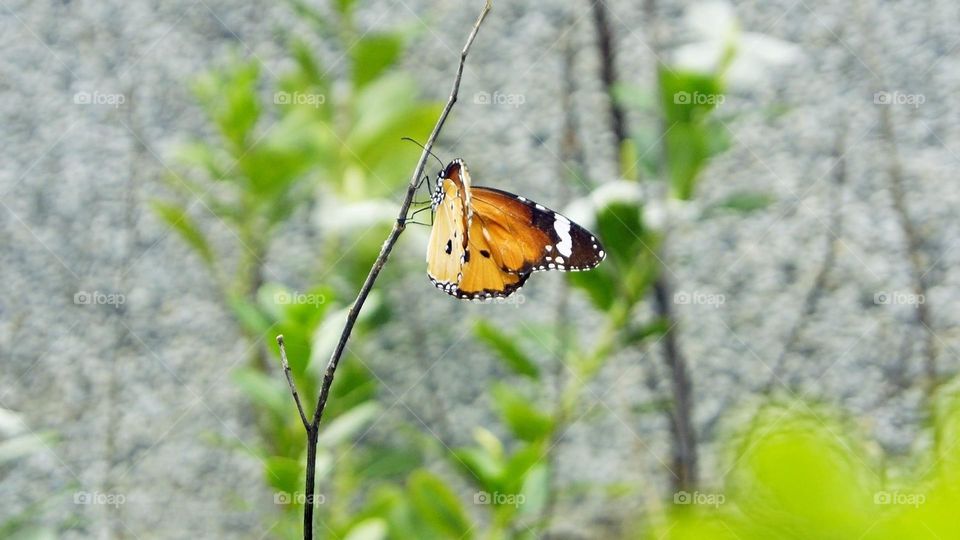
485, 242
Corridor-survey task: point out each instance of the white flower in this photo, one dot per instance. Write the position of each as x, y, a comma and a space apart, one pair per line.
753, 54
584, 210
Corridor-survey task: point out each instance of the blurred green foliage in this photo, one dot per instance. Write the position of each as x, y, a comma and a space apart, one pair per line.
329, 136
799, 471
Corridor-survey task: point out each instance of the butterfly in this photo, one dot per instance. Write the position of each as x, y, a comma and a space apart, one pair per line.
485, 243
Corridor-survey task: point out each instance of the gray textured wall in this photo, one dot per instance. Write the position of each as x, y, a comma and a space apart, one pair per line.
140, 396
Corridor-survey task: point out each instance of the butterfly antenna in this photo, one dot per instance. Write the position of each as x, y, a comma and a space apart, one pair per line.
425, 148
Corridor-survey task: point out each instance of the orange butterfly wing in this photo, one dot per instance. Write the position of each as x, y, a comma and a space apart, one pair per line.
529, 237
448, 237
485, 242
484, 275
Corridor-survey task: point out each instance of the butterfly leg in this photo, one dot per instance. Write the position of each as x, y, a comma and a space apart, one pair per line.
411, 216
425, 181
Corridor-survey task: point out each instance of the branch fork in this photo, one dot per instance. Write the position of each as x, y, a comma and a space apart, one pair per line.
312, 426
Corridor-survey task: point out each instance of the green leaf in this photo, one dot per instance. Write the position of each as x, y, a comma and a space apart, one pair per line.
506, 349
372, 55
521, 416
309, 66
742, 203
344, 7
438, 506
629, 160
783, 451
656, 328
536, 490
370, 529
600, 284
380, 105
687, 98
389, 462
266, 391
620, 225
347, 426
687, 153
230, 99
481, 468
308, 13
353, 386
325, 338
28, 532
284, 474
520, 464
202, 155
177, 218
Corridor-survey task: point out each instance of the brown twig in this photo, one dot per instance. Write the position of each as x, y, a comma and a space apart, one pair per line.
819, 286
293, 387
312, 427
912, 238
684, 464
608, 68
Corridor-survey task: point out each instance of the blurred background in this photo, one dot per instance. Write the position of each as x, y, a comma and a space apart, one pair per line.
767, 352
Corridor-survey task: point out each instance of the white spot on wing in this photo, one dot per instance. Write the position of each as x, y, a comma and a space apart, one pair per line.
562, 226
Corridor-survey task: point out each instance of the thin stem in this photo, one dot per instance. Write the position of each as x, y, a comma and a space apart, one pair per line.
819, 286
293, 387
681, 415
912, 237
313, 426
